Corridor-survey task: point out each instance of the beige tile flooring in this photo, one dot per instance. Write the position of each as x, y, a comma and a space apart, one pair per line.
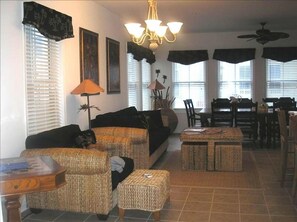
202, 204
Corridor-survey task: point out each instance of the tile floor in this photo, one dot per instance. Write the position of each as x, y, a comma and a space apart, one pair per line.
201, 204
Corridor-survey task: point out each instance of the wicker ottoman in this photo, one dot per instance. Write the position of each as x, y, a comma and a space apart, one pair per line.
144, 190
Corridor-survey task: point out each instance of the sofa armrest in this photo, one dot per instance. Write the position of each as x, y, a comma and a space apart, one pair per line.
76, 161
115, 146
137, 135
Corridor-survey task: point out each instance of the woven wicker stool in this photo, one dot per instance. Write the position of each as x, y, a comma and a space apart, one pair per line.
144, 190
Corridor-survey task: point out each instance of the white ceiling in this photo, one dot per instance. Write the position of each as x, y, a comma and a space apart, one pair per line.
212, 15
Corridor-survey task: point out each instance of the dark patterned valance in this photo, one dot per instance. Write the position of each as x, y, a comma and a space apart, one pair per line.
187, 57
281, 54
234, 55
50, 23
140, 52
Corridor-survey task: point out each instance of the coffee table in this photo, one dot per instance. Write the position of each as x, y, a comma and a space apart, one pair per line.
223, 147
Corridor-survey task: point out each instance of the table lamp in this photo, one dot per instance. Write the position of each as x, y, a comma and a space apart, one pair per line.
88, 88
155, 86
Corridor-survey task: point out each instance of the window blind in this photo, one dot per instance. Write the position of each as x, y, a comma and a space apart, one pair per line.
146, 79
133, 81
139, 77
43, 82
235, 79
189, 82
281, 78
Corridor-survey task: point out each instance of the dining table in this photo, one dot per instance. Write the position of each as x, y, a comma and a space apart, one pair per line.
264, 117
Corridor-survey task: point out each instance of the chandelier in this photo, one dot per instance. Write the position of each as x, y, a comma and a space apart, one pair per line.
154, 31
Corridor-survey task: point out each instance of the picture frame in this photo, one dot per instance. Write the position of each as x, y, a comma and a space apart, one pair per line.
113, 66
89, 58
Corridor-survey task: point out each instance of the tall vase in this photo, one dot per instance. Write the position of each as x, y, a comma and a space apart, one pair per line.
172, 118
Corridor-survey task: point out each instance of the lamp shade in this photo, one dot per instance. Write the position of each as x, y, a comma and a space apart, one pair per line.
87, 87
156, 85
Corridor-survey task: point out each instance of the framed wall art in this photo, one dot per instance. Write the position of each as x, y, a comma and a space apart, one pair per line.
113, 66
89, 59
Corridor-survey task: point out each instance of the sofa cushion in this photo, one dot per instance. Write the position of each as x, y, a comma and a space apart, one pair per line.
157, 137
59, 137
117, 177
128, 117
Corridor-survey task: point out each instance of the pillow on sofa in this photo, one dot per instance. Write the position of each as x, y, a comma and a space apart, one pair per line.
59, 137
128, 117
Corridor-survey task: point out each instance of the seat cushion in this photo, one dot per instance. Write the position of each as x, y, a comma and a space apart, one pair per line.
117, 177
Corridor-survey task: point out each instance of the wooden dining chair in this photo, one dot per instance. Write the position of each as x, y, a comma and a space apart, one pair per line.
246, 118
192, 116
287, 157
293, 135
221, 113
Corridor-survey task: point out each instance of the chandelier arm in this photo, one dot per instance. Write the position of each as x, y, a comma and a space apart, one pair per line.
169, 40
141, 40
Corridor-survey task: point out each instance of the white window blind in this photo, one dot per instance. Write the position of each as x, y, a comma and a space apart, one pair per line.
139, 76
43, 82
235, 79
281, 78
189, 82
146, 79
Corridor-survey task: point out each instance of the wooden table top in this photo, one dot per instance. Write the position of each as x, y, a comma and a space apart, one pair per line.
212, 133
42, 174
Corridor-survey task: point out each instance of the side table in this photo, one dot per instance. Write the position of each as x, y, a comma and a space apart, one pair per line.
42, 174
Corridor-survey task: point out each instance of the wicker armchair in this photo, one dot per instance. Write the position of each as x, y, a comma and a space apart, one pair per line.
88, 186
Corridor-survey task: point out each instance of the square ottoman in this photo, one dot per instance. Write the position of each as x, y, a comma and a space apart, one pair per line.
145, 190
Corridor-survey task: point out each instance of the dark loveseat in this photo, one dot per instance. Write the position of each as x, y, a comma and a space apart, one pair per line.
148, 131
90, 183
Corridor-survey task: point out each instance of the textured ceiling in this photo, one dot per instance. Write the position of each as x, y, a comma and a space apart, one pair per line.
212, 15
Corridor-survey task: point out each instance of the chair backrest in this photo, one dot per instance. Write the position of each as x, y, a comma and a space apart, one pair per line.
221, 113
191, 114
246, 112
270, 101
286, 105
281, 114
186, 102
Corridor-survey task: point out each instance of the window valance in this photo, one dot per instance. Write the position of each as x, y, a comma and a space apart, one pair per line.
281, 54
187, 57
234, 55
50, 23
140, 52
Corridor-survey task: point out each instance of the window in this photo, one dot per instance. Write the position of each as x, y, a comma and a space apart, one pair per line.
43, 82
281, 78
139, 77
188, 82
235, 79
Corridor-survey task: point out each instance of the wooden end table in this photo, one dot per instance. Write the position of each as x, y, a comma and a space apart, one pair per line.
43, 174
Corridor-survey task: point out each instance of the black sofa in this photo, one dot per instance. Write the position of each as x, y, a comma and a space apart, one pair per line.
151, 122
